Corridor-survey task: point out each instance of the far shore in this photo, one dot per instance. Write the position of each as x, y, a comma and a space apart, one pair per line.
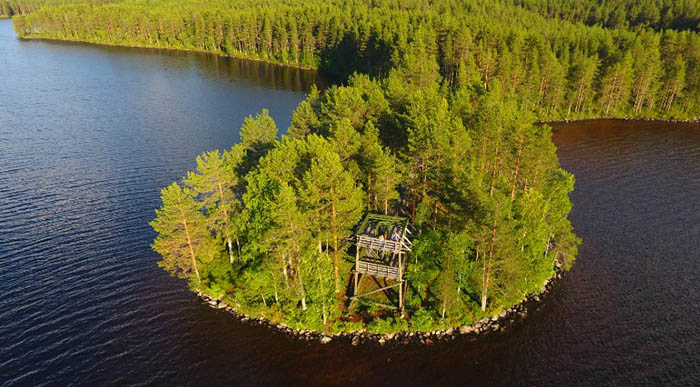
38, 37
294, 66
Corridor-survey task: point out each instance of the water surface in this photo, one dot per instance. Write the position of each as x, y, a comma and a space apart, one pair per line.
89, 135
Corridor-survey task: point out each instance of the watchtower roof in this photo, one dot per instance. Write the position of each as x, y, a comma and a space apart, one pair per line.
384, 232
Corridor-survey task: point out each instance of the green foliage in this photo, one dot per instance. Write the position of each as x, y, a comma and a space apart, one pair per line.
423, 320
448, 137
183, 240
562, 59
488, 199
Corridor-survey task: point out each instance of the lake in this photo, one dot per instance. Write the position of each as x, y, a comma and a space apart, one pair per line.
90, 134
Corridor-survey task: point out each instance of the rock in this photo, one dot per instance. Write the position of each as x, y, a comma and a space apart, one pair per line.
465, 329
495, 327
428, 342
325, 339
382, 340
356, 340
502, 314
390, 336
450, 332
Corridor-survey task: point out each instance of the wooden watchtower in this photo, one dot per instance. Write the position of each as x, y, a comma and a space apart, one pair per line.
382, 243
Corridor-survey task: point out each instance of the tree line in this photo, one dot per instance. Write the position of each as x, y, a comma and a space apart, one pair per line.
555, 65
657, 14
265, 224
9, 8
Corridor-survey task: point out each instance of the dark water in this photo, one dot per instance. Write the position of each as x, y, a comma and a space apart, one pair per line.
88, 136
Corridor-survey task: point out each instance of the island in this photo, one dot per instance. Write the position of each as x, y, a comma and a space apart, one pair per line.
423, 191
378, 210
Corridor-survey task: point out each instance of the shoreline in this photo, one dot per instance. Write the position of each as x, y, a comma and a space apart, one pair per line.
300, 67
486, 327
668, 120
220, 54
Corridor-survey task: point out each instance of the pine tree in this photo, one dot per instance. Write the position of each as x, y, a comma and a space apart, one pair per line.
647, 70
215, 183
258, 135
334, 200
674, 82
183, 239
292, 237
616, 85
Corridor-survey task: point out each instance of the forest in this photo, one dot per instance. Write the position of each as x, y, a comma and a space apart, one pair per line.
266, 225
560, 59
438, 119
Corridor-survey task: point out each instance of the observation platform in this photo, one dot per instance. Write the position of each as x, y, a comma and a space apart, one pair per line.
382, 243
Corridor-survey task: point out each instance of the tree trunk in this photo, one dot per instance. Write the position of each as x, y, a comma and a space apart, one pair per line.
230, 250
226, 222
487, 275
302, 291
336, 260
386, 196
189, 244
369, 191
641, 94
323, 303
517, 168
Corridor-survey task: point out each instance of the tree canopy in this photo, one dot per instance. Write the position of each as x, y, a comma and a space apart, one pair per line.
482, 186
562, 59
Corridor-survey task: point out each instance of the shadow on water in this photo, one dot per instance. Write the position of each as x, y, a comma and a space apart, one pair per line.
258, 73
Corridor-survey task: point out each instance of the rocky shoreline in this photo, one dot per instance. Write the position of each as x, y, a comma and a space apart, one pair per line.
669, 120
485, 327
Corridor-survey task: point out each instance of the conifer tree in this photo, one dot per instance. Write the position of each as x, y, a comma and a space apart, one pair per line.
258, 135
647, 71
335, 202
215, 183
674, 81
616, 85
293, 237
183, 239
304, 119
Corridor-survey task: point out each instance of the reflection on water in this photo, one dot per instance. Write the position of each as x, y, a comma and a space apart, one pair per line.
222, 68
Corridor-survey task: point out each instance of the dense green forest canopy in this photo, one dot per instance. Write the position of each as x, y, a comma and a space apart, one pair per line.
542, 52
266, 224
659, 14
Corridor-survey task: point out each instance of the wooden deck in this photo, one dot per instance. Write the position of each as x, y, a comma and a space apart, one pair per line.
378, 270
381, 244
